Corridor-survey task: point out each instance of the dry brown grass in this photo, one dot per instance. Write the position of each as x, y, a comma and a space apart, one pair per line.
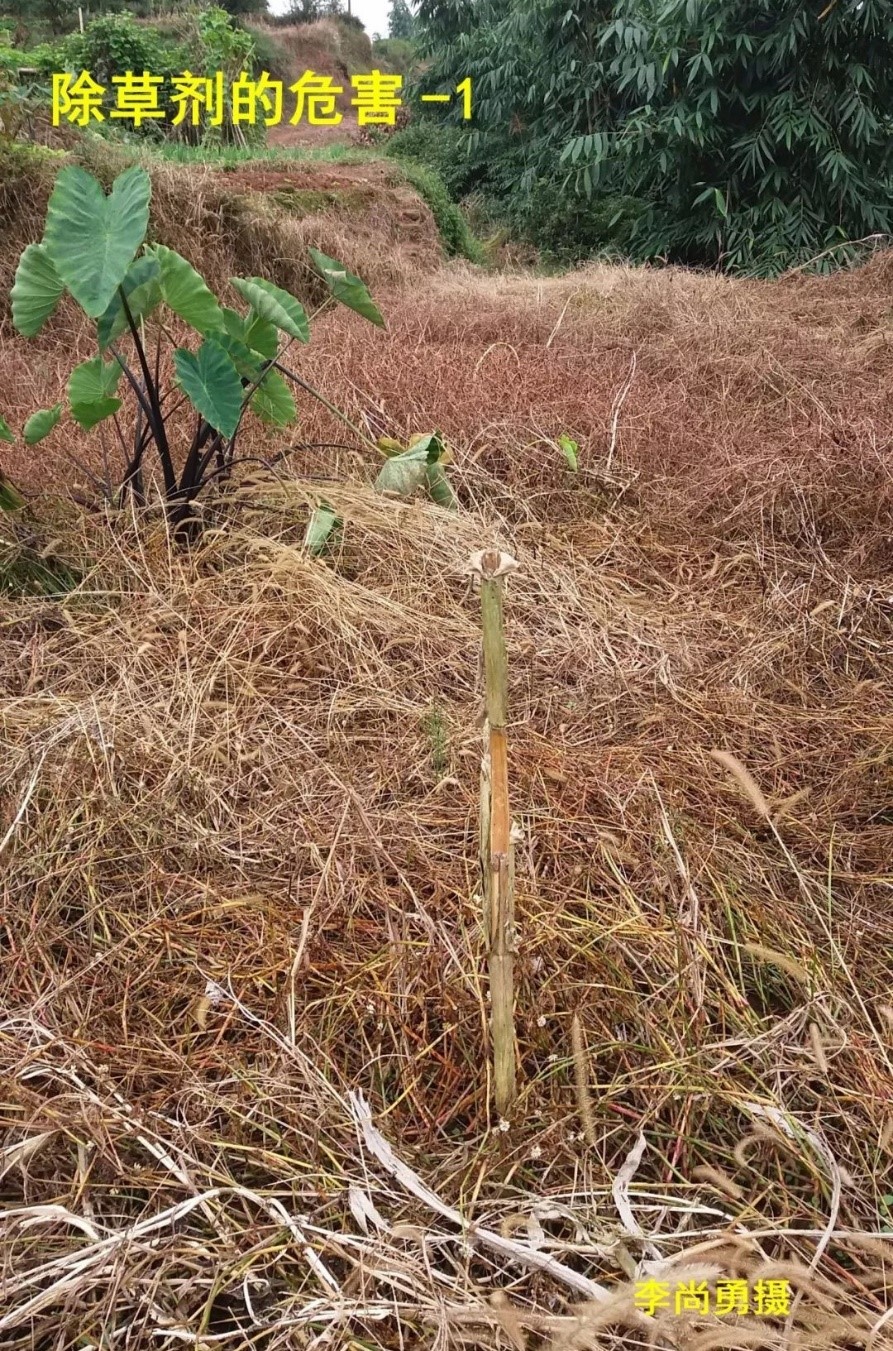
239, 849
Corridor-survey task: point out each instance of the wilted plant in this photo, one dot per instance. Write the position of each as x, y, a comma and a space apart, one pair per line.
496, 835
416, 466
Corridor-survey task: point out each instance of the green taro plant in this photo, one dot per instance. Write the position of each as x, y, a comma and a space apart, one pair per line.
94, 248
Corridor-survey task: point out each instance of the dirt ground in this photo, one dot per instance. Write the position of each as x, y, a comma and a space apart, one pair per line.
370, 178
304, 134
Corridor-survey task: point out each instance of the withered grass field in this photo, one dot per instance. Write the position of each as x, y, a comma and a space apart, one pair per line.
241, 945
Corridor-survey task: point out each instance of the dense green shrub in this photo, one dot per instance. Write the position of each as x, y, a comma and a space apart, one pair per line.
564, 226
757, 133
46, 59
763, 132
443, 147
113, 44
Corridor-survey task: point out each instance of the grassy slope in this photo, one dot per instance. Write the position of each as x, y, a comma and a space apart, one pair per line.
240, 796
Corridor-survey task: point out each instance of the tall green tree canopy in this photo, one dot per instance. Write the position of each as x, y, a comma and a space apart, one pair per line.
763, 132
401, 20
753, 134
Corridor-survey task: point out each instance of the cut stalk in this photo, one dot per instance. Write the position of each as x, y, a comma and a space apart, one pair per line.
497, 846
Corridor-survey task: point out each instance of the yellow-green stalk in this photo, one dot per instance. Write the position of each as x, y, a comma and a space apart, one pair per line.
497, 846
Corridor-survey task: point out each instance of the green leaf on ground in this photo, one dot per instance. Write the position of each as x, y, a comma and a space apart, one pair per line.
440, 489
401, 475
569, 449
322, 525
420, 465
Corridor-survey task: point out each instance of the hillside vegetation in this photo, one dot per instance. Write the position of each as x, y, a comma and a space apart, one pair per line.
749, 137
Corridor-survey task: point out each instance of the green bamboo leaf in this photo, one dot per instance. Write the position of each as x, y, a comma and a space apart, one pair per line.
36, 291
322, 525
92, 238
347, 288
142, 289
185, 291
40, 424
212, 384
273, 401
274, 305
6, 432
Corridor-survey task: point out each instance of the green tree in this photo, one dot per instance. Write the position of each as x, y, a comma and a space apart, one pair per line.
744, 134
401, 21
762, 133
540, 78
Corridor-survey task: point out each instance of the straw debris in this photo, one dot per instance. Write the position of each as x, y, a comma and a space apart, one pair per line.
245, 1001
